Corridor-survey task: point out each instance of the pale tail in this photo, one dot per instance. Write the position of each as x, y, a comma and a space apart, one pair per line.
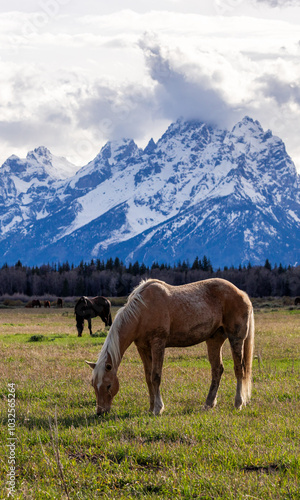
248, 358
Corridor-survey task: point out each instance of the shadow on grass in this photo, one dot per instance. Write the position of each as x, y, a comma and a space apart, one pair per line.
119, 456
65, 422
267, 469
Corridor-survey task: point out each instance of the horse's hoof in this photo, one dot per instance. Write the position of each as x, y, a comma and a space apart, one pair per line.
238, 404
158, 410
209, 406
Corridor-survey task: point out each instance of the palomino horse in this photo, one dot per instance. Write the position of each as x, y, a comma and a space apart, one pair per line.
90, 308
158, 315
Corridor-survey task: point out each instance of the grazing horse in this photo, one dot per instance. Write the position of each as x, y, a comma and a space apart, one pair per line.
297, 301
36, 303
46, 303
59, 302
90, 308
158, 315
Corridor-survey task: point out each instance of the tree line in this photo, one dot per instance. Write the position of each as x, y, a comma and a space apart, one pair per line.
115, 279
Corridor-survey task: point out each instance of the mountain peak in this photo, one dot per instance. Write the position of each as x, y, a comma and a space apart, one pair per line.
41, 151
173, 200
40, 154
149, 149
247, 125
119, 150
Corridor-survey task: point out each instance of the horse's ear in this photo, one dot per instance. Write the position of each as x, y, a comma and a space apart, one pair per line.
92, 365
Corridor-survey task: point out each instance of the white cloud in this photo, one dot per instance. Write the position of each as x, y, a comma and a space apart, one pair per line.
71, 81
280, 3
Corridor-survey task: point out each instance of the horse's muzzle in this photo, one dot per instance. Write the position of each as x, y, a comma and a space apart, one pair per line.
101, 411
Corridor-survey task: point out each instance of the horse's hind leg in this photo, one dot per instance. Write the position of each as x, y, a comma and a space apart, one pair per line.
237, 347
214, 350
90, 326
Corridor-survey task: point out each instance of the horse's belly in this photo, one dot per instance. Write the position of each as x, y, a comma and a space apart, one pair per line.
195, 335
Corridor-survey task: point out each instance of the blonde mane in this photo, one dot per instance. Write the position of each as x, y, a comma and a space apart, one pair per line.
111, 345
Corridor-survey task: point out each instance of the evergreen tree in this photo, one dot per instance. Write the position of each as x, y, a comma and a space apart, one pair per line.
268, 265
109, 264
143, 268
195, 263
117, 264
205, 265
135, 269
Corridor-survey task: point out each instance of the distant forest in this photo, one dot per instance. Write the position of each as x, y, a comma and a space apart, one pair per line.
114, 279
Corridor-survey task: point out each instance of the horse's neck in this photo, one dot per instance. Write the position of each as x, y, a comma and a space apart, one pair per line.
126, 335
125, 340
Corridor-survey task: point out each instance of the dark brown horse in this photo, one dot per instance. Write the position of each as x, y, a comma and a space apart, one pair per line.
158, 315
90, 308
36, 303
47, 303
297, 301
59, 302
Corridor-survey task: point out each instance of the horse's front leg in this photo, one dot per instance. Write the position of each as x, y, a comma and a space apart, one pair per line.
146, 357
158, 352
90, 325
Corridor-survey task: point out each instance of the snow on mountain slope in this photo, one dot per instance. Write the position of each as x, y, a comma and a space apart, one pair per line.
233, 195
39, 164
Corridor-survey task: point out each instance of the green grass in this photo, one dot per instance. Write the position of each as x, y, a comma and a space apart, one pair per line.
63, 450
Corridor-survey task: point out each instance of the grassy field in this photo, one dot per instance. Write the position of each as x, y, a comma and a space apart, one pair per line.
64, 451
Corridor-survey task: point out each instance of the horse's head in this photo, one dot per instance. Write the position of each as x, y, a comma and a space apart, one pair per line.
79, 324
80, 308
106, 312
106, 317
105, 383
81, 305
109, 320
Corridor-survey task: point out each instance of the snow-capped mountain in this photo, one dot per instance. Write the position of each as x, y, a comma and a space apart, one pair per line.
232, 195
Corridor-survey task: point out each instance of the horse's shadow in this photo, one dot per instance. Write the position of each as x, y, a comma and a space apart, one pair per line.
53, 419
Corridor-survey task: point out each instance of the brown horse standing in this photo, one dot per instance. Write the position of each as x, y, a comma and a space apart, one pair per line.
90, 308
158, 315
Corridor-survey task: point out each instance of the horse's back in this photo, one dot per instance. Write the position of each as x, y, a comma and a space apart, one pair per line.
191, 313
212, 291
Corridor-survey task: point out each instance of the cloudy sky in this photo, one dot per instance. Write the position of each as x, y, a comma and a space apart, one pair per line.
75, 74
